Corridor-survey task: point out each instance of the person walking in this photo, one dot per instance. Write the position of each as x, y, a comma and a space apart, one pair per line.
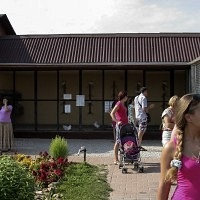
168, 119
180, 158
120, 117
131, 111
141, 110
113, 122
6, 129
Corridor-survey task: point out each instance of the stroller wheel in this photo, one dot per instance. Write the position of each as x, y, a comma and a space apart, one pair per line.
132, 162
141, 169
136, 165
120, 166
124, 170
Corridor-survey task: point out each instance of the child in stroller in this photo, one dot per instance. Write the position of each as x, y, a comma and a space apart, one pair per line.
129, 149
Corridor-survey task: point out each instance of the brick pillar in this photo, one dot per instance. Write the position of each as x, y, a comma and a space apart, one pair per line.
195, 77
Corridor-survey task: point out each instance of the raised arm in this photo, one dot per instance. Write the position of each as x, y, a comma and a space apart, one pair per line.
7, 108
112, 113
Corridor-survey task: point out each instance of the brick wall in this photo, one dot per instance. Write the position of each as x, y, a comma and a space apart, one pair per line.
195, 77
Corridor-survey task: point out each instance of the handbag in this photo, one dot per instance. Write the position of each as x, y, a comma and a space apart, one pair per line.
148, 117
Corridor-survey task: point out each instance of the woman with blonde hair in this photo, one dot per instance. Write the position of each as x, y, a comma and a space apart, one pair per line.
180, 159
168, 117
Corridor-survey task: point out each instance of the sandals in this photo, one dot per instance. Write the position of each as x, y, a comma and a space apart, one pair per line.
116, 162
142, 148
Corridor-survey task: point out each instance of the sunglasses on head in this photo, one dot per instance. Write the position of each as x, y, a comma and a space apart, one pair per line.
194, 101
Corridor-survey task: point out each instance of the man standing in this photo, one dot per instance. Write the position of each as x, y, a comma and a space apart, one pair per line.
141, 108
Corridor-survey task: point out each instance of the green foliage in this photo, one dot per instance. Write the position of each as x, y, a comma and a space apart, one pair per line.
44, 169
58, 148
84, 181
16, 182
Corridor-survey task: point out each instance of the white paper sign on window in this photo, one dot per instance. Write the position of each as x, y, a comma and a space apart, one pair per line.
67, 96
80, 100
107, 106
67, 108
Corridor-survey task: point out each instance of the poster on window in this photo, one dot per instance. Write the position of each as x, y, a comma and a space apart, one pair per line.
67, 96
80, 100
107, 106
67, 108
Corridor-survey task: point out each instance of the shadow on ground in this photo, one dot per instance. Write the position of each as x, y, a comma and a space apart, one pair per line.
152, 167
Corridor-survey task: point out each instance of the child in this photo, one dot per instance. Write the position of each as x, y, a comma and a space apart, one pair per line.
180, 159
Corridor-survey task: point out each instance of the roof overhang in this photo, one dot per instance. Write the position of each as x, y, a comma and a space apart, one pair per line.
195, 61
95, 66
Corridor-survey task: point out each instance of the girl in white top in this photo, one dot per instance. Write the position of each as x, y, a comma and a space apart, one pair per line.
168, 117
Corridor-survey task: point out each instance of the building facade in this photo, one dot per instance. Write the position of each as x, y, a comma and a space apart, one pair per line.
59, 80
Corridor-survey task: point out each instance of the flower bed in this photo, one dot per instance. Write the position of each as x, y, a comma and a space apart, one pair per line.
44, 168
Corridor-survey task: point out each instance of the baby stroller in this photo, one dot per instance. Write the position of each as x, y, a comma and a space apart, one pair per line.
129, 149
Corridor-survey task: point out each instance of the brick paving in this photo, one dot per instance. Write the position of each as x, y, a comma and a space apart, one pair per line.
132, 185
129, 186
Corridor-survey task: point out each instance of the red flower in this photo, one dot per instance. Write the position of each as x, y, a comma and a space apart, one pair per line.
50, 170
45, 154
53, 165
44, 166
58, 172
43, 176
60, 160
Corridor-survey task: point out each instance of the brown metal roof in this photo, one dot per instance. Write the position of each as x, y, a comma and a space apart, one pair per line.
100, 48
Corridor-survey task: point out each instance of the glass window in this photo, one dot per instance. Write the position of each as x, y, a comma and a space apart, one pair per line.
47, 85
114, 82
24, 84
134, 82
6, 80
47, 114
24, 115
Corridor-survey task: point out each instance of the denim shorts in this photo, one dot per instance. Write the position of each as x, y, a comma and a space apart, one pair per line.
117, 132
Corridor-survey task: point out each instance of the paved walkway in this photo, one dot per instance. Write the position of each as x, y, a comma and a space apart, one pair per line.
130, 186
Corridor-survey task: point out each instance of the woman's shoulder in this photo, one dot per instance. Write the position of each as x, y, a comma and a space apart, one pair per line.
118, 103
167, 111
164, 113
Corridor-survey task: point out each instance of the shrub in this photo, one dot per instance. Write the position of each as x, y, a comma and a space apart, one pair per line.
58, 148
47, 170
24, 160
16, 182
44, 168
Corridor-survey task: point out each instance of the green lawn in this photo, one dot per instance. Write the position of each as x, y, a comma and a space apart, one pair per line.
83, 181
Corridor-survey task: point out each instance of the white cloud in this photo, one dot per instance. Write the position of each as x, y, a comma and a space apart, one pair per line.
142, 18
101, 16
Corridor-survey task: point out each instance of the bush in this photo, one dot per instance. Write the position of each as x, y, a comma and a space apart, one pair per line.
58, 148
48, 171
44, 168
16, 182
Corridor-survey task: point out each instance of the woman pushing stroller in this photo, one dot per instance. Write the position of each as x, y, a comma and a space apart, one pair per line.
119, 115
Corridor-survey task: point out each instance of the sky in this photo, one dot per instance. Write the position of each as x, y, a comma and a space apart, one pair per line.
101, 16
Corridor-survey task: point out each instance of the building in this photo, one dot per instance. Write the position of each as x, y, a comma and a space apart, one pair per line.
61, 80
